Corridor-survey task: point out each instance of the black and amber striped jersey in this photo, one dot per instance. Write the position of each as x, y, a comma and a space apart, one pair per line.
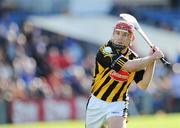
110, 82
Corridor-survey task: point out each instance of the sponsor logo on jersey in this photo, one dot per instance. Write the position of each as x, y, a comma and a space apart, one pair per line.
121, 75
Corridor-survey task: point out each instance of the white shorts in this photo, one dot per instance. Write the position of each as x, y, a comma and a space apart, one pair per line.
98, 111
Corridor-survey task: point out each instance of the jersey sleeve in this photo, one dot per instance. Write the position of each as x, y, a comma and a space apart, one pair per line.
118, 63
139, 76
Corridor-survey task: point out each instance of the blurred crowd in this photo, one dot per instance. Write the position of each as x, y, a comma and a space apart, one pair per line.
37, 64
163, 94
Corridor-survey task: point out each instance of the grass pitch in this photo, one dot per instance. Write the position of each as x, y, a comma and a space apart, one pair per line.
155, 121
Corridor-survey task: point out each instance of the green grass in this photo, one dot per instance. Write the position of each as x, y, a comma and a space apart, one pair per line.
155, 121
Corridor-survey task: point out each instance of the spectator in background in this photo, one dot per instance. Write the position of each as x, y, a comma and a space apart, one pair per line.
56, 84
59, 60
175, 92
74, 49
175, 85
12, 37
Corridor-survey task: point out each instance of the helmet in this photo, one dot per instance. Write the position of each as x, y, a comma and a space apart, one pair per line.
125, 26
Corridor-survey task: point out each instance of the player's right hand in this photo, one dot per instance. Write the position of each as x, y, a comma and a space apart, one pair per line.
157, 53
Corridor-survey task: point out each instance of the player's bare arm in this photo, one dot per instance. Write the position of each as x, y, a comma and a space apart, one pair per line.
148, 74
138, 64
155, 54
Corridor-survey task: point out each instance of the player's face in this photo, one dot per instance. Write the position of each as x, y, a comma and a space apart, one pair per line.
123, 38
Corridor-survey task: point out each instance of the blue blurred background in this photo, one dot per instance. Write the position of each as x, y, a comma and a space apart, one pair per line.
47, 53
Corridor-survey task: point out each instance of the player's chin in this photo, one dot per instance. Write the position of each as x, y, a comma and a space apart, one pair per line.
119, 43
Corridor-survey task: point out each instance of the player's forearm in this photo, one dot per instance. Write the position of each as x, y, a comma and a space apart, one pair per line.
147, 77
138, 64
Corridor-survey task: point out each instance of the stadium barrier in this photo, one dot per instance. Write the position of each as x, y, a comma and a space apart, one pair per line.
47, 109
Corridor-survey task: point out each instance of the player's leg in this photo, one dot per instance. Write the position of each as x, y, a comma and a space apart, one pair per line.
94, 120
117, 122
117, 115
95, 114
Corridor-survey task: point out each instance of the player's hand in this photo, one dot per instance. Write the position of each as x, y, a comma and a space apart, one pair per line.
151, 51
157, 53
